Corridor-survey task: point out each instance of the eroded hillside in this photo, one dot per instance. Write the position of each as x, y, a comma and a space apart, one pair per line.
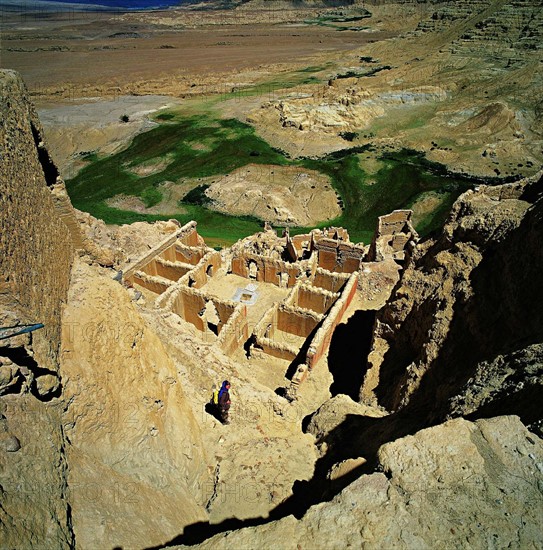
106, 438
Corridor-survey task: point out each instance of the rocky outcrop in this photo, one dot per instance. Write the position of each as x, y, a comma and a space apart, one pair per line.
466, 311
95, 432
34, 509
462, 481
37, 251
35, 263
278, 194
135, 455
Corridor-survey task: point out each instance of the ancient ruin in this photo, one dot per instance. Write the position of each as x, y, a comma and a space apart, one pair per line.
277, 296
384, 394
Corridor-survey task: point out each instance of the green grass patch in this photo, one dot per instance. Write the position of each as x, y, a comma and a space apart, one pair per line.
231, 144
396, 185
151, 196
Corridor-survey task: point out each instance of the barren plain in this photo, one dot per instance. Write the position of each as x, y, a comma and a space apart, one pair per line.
385, 394
399, 105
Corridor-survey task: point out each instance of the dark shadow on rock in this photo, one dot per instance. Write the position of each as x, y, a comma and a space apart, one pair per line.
504, 315
348, 354
214, 411
302, 354
501, 316
355, 436
22, 358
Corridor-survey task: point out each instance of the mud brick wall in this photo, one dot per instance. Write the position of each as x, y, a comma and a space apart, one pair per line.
235, 332
321, 342
392, 236
154, 284
224, 310
265, 328
275, 349
170, 270
200, 274
295, 245
316, 300
338, 256
187, 303
36, 249
269, 270
395, 222
264, 333
333, 282
190, 237
293, 252
187, 254
185, 233
296, 321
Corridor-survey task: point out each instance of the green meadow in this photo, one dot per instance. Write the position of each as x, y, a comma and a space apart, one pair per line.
193, 147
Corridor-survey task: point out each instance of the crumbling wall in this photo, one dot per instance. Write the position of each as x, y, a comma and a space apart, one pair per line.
321, 342
149, 282
187, 254
299, 246
235, 332
165, 249
327, 280
190, 237
36, 248
269, 270
392, 236
200, 274
264, 333
338, 256
170, 270
296, 321
306, 296
315, 299
188, 303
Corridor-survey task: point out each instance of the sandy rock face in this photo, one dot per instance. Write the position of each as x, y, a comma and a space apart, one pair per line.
32, 475
125, 242
280, 194
334, 411
135, 447
36, 248
461, 481
466, 306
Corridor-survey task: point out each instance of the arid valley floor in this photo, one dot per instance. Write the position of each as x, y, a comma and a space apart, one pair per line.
337, 208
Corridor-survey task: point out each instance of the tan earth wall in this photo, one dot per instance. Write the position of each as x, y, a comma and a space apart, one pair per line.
320, 343
235, 332
187, 254
295, 321
338, 256
332, 282
36, 247
264, 337
269, 270
281, 351
163, 268
395, 222
187, 232
314, 299
187, 304
197, 277
154, 284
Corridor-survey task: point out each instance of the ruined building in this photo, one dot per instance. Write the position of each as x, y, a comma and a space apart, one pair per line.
276, 296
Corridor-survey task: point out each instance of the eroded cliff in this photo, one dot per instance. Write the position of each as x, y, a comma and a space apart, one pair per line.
105, 440
462, 332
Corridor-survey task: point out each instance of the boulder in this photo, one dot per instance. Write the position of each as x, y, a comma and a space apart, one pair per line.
47, 384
